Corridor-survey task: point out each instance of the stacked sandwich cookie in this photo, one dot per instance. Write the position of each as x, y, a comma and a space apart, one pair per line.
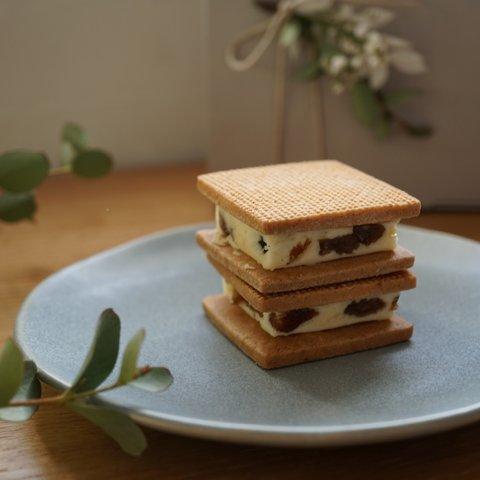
309, 259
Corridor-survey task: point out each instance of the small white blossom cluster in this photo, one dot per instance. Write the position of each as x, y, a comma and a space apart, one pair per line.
357, 49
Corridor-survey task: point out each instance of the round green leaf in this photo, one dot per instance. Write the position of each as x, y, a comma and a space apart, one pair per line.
157, 379
102, 355
30, 388
75, 135
11, 371
17, 206
92, 163
117, 425
365, 104
130, 357
22, 170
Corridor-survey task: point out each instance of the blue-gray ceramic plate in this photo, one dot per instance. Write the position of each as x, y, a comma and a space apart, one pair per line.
427, 385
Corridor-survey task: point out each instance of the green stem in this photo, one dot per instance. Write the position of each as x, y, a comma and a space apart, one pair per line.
68, 395
60, 170
90, 393
36, 401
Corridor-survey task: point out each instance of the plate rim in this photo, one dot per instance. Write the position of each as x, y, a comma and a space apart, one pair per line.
275, 435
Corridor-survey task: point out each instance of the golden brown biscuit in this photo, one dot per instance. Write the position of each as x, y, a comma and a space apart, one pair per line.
273, 352
293, 197
305, 276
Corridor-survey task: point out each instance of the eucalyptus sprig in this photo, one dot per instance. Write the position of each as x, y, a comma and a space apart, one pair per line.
22, 171
20, 388
344, 44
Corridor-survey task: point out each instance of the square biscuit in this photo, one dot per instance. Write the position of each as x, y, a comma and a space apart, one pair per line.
317, 296
273, 352
292, 197
303, 276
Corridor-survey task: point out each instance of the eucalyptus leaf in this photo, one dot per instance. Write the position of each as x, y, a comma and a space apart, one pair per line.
290, 33
22, 170
30, 388
75, 135
92, 163
102, 355
397, 97
17, 206
366, 105
157, 379
117, 425
419, 130
11, 371
130, 357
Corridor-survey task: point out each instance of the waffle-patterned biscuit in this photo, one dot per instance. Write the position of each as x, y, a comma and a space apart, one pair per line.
305, 276
274, 352
304, 196
316, 296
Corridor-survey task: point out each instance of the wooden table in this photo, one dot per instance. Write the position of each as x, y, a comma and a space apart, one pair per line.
78, 218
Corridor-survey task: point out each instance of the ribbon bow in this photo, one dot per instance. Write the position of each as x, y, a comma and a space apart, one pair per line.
268, 30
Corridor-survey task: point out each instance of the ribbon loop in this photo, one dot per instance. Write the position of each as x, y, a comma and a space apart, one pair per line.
267, 30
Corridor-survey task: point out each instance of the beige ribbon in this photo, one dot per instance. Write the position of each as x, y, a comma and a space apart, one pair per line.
268, 31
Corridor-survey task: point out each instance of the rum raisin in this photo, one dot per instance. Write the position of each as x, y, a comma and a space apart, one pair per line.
263, 244
364, 307
394, 304
341, 245
298, 249
368, 234
289, 321
223, 225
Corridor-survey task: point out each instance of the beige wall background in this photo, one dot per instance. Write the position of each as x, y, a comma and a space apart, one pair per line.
147, 79
132, 72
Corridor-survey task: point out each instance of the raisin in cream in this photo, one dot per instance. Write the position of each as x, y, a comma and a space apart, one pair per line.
304, 248
324, 317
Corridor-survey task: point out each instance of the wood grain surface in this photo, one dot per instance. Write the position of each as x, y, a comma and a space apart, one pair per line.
78, 218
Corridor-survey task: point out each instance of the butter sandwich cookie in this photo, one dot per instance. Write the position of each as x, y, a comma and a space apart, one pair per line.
316, 296
305, 276
274, 352
305, 196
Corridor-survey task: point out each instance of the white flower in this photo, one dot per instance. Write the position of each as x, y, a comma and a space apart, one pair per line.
337, 64
361, 29
345, 12
408, 61
314, 6
349, 47
376, 17
373, 61
378, 75
356, 62
371, 55
396, 42
374, 43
